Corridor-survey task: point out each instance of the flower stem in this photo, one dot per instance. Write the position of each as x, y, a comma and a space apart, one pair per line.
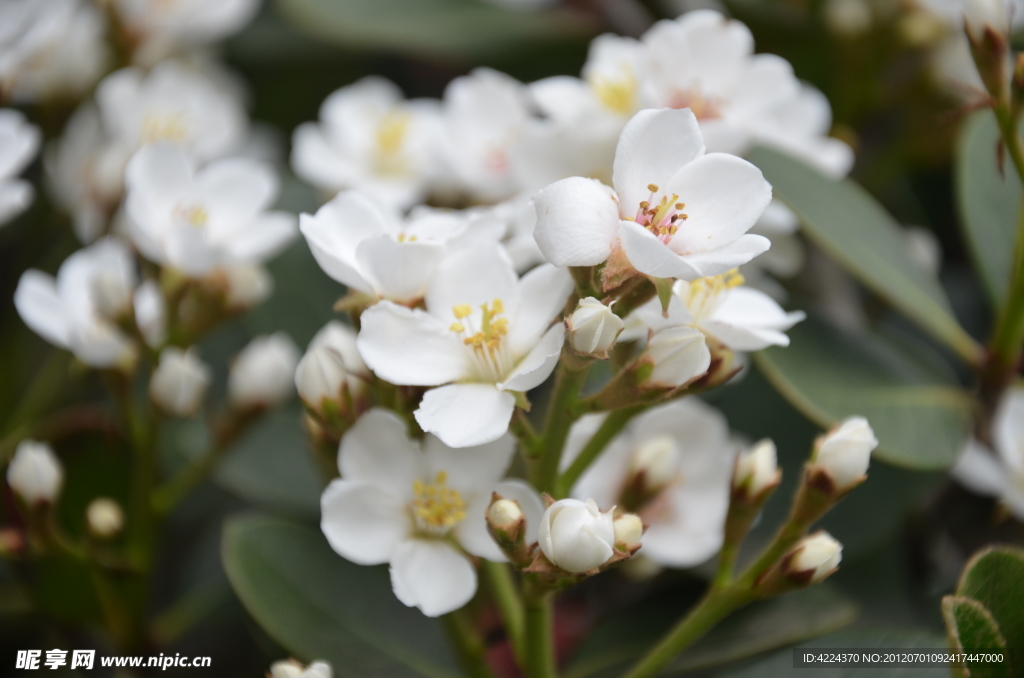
539, 660
612, 425
510, 604
572, 372
468, 644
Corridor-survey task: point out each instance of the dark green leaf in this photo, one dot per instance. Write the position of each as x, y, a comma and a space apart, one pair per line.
989, 202
845, 221
995, 578
920, 416
320, 606
971, 627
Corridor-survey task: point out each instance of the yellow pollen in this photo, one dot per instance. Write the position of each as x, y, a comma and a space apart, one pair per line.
390, 133
653, 188
402, 237
461, 311
457, 327
195, 215
436, 506
618, 95
492, 327
163, 128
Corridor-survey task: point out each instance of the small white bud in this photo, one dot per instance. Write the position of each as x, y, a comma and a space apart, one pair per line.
179, 382
331, 368
847, 17
576, 536
818, 554
757, 468
658, 459
289, 668
262, 374
248, 285
111, 295
151, 313
593, 328
35, 472
629, 529
104, 517
503, 514
678, 354
982, 14
845, 452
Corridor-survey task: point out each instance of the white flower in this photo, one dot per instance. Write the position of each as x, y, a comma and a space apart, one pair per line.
484, 333
64, 310
982, 15
593, 328
151, 313
1002, 474
19, 142
35, 472
168, 27
369, 248
263, 373
817, 555
845, 451
678, 354
179, 382
105, 517
369, 138
511, 223
675, 212
198, 221
687, 445
421, 509
742, 318
757, 468
576, 536
289, 668
332, 370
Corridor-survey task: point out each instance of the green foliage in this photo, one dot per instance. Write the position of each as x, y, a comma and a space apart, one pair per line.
320, 606
920, 415
971, 627
853, 228
995, 579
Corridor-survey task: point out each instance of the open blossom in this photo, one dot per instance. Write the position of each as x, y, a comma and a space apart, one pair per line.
485, 335
201, 220
675, 212
371, 139
73, 311
672, 466
367, 247
420, 508
1001, 474
19, 142
163, 28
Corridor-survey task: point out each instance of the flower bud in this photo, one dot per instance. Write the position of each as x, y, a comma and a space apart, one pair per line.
657, 459
593, 328
179, 382
983, 15
289, 668
104, 517
504, 514
576, 536
332, 374
628, 529
248, 285
111, 295
151, 313
262, 374
757, 469
845, 452
814, 558
35, 472
678, 355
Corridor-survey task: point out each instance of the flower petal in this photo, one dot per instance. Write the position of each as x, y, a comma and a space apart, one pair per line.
979, 471
378, 450
337, 228
539, 363
649, 255
396, 270
474, 276
41, 308
470, 470
262, 238
463, 415
577, 220
750, 320
724, 259
432, 576
408, 346
542, 296
362, 522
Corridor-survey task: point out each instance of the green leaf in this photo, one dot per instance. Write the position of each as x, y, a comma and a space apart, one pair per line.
995, 578
921, 417
989, 202
458, 28
971, 627
624, 636
854, 229
320, 606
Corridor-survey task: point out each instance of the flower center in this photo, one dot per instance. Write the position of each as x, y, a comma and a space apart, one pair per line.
389, 141
436, 507
704, 108
405, 237
662, 218
618, 95
703, 295
157, 127
194, 215
491, 356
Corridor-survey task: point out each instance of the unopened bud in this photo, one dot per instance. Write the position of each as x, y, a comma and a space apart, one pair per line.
289, 668
657, 459
814, 558
628, 529
35, 472
677, 355
593, 328
262, 374
985, 15
845, 452
576, 536
248, 285
151, 313
104, 517
988, 33
179, 382
332, 375
111, 295
848, 18
504, 514
757, 469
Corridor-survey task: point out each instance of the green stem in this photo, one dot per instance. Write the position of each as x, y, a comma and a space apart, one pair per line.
524, 432
469, 646
613, 424
510, 604
726, 565
539, 660
572, 372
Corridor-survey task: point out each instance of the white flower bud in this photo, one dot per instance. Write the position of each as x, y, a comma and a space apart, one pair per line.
111, 294
104, 517
342, 339
262, 374
818, 554
593, 328
248, 285
151, 313
331, 369
35, 472
679, 354
628, 530
504, 514
289, 668
576, 536
982, 14
847, 17
757, 468
845, 452
658, 459
179, 382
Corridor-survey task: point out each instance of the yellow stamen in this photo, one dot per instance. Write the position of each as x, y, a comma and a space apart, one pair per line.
437, 507
461, 311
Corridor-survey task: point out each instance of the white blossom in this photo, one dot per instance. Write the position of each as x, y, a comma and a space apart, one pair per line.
819, 555
19, 142
485, 335
165, 28
104, 517
576, 536
179, 382
1001, 474
262, 375
35, 472
420, 508
289, 668
845, 451
332, 370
